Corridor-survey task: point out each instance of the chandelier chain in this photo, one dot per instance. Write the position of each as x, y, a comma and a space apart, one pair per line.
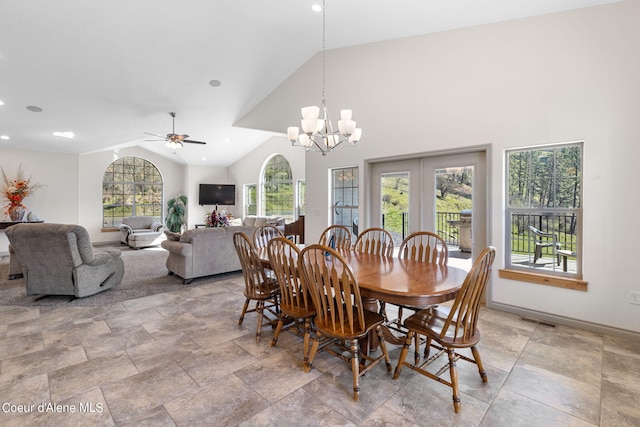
318, 133
324, 46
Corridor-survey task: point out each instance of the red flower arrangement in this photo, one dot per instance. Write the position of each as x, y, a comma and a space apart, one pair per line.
16, 190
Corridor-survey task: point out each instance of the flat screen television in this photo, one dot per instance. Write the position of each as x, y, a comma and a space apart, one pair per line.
217, 194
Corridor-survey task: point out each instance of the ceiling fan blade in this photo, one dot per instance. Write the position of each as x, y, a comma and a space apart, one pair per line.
155, 139
193, 142
156, 135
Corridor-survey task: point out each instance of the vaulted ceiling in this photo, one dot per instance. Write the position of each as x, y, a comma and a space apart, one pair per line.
111, 70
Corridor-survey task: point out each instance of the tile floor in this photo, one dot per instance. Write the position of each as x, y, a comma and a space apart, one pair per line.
180, 359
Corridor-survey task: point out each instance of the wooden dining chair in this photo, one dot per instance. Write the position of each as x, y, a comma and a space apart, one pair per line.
258, 286
264, 233
451, 328
423, 246
295, 299
337, 237
375, 241
340, 313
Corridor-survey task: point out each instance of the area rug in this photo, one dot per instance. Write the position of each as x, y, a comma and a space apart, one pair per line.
145, 274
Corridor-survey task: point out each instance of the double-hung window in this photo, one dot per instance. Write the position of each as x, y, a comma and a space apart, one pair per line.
544, 210
251, 199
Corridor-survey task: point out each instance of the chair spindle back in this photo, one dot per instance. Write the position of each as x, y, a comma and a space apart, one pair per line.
375, 241
424, 246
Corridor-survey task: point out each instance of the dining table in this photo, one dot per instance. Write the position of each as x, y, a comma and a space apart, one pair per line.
398, 281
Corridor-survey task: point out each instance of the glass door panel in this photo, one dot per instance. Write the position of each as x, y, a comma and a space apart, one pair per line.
394, 188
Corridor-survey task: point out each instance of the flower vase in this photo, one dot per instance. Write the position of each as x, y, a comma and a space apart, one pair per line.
16, 213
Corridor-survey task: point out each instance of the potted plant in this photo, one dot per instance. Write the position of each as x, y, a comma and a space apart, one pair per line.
176, 208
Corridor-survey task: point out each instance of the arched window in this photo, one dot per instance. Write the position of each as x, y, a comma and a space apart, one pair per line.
277, 188
131, 186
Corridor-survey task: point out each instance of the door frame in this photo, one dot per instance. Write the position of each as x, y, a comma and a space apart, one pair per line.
481, 223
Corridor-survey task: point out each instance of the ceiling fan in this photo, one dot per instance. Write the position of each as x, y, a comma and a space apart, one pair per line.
174, 140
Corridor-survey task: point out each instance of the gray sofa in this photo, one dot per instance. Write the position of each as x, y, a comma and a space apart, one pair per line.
141, 231
58, 259
204, 252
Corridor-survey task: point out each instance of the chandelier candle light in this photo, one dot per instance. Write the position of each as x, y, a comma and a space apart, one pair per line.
318, 133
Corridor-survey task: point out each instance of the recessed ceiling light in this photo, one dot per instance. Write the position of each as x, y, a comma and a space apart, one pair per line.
1, 103
34, 108
226, 141
316, 8
215, 83
4, 137
204, 159
66, 134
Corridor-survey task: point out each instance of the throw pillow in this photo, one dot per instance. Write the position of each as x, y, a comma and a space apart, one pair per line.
172, 236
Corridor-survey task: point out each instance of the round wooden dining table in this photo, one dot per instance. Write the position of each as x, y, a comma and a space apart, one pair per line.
398, 281
402, 281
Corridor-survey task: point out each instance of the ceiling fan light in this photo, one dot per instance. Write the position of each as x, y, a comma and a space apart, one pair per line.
174, 145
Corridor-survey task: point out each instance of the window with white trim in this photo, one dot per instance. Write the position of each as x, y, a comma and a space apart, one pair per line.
302, 196
250, 199
277, 188
345, 189
544, 210
131, 186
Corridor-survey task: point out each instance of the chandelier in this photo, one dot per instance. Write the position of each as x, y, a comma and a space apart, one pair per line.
318, 133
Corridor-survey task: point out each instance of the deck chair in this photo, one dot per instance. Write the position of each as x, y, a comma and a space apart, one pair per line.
544, 240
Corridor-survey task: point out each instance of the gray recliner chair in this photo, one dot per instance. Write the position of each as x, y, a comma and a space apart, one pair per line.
58, 259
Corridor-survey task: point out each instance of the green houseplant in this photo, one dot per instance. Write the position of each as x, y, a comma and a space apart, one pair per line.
176, 208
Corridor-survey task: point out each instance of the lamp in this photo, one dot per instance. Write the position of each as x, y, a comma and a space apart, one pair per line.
173, 144
318, 133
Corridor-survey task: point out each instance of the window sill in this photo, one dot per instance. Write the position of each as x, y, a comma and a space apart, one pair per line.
109, 230
544, 279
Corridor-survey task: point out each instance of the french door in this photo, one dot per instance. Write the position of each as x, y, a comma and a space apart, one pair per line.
405, 195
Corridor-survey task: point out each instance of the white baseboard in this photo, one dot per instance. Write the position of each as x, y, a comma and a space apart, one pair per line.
566, 321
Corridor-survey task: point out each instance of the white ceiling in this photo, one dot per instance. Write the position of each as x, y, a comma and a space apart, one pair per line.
111, 70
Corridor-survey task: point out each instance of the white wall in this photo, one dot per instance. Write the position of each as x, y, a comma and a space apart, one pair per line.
58, 201
555, 78
197, 175
247, 170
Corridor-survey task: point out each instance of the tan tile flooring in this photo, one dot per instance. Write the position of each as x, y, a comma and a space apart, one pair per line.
181, 359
